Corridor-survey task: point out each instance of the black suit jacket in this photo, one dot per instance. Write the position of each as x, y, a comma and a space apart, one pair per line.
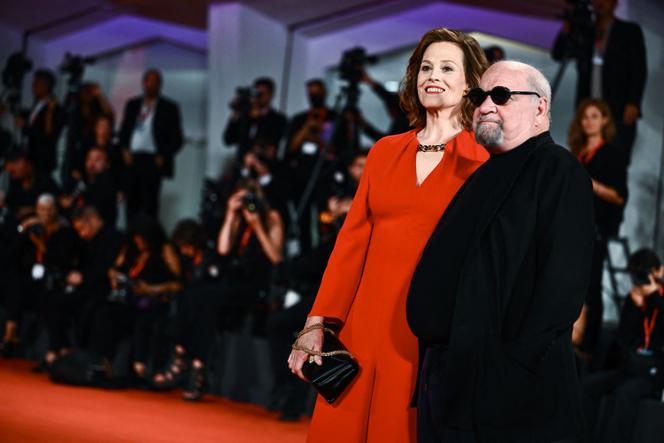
624, 71
166, 129
511, 372
42, 147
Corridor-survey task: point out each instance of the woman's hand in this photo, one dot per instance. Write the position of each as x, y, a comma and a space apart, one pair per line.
311, 340
252, 219
142, 288
235, 202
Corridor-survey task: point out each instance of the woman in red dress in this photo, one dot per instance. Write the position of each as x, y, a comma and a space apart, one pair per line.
408, 182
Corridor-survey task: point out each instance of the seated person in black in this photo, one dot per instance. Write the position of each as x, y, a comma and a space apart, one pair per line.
96, 188
253, 119
590, 137
251, 240
9, 239
101, 244
640, 341
144, 279
47, 254
26, 184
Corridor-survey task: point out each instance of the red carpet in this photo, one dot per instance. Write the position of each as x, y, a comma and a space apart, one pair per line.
32, 409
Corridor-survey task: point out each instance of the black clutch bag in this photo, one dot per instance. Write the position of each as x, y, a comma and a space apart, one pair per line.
338, 370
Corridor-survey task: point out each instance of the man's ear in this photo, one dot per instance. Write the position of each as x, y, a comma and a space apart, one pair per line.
542, 114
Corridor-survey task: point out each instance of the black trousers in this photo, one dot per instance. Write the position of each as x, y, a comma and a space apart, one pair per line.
625, 137
430, 415
281, 327
143, 186
620, 411
430, 419
200, 307
594, 302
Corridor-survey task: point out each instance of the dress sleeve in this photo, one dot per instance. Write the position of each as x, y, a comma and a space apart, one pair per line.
344, 269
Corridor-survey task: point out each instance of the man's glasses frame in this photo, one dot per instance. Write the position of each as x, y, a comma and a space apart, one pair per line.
499, 95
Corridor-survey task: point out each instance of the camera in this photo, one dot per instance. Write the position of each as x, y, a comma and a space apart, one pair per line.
252, 202
74, 66
353, 62
242, 101
579, 15
123, 289
640, 277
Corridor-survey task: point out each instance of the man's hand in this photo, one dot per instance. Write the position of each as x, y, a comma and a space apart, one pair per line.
159, 161
75, 278
128, 157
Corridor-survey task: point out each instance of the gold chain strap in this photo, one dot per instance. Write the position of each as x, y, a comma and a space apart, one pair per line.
313, 327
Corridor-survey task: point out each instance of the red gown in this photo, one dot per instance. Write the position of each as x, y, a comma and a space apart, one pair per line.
367, 280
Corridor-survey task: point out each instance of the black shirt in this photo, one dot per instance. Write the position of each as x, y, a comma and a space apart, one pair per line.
609, 167
432, 297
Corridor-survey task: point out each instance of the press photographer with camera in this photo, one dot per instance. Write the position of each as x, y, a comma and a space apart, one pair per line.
42, 124
47, 253
398, 118
640, 342
89, 105
9, 239
610, 59
144, 280
253, 118
26, 184
97, 187
251, 241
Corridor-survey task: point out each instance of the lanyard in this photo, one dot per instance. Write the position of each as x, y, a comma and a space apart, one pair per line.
586, 156
136, 270
648, 326
246, 236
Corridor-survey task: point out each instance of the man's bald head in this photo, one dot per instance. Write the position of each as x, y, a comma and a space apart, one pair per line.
504, 127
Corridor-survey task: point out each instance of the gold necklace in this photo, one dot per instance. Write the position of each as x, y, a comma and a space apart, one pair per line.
431, 148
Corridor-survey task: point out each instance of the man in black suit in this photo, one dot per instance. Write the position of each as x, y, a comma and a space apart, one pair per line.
611, 65
254, 120
503, 278
150, 136
43, 125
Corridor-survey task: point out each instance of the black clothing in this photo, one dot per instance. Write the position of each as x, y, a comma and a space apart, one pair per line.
101, 192
42, 147
19, 198
624, 71
510, 372
97, 257
166, 129
398, 118
143, 184
266, 129
143, 187
430, 318
634, 380
609, 167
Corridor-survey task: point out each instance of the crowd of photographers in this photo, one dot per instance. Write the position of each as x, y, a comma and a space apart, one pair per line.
258, 252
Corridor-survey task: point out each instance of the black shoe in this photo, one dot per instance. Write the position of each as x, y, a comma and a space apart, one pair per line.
41, 368
195, 386
7, 348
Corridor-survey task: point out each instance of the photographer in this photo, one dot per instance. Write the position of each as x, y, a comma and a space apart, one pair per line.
9, 239
640, 342
144, 279
47, 253
610, 59
253, 118
101, 244
251, 241
96, 188
398, 119
89, 106
42, 125
26, 184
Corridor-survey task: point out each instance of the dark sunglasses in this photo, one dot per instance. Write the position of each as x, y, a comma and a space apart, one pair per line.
499, 95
